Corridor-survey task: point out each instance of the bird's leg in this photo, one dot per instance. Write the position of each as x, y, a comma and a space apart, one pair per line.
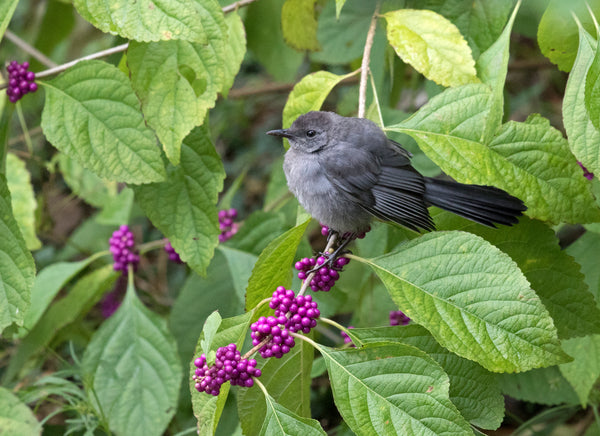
331, 257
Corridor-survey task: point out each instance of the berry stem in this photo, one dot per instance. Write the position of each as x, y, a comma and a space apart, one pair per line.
148, 246
306, 339
23, 124
334, 324
254, 349
307, 280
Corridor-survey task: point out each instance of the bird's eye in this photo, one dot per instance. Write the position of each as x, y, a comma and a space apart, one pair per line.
311, 133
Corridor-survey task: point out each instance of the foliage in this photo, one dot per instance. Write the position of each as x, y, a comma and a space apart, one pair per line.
163, 126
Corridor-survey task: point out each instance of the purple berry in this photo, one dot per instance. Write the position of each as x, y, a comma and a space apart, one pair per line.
173, 256
397, 317
227, 226
20, 81
347, 339
121, 244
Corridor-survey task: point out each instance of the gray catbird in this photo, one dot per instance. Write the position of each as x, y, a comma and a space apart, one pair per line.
345, 170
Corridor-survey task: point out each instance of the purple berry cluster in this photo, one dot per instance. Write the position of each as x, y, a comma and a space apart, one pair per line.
325, 277
280, 343
227, 225
228, 366
121, 247
347, 339
588, 175
20, 81
397, 317
173, 256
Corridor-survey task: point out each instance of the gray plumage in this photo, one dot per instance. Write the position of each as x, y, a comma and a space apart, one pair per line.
345, 171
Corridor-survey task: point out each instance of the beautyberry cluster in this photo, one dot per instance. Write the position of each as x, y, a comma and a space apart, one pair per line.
280, 343
228, 366
226, 225
121, 247
20, 81
586, 173
325, 277
173, 256
397, 317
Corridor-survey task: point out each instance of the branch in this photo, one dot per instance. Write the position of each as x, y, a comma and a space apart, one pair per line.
364, 67
32, 51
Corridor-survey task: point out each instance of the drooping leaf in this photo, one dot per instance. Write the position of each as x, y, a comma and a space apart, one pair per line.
448, 130
15, 417
22, 199
178, 81
207, 408
281, 421
583, 372
408, 389
543, 386
159, 20
17, 269
133, 370
473, 299
92, 115
299, 25
287, 380
473, 390
183, 207
432, 45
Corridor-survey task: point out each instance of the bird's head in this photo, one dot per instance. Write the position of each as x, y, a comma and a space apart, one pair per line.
310, 132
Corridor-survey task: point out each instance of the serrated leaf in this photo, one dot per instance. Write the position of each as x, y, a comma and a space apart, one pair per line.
299, 25
586, 251
133, 371
473, 299
543, 386
583, 372
584, 138
236, 44
473, 390
309, 94
183, 207
17, 269
281, 421
84, 294
448, 130
15, 417
273, 267
432, 45
287, 380
178, 81
149, 20
22, 199
92, 115
207, 408
408, 389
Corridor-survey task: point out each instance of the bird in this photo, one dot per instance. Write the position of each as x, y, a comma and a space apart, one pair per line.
345, 171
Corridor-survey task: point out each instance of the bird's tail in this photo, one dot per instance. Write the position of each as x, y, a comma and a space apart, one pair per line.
486, 205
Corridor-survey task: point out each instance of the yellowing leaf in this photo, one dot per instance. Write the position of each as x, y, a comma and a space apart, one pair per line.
299, 25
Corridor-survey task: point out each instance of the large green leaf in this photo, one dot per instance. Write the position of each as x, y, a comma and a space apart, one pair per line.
22, 199
146, 20
432, 45
281, 421
17, 269
178, 81
583, 372
299, 25
133, 371
584, 138
592, 89
586, 251
448, 130
207, 408
473, 299
15, 417
183, 207
236, 45
408, 389
92, 115
473, 390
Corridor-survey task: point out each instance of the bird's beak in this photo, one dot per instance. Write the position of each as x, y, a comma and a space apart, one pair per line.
281, 132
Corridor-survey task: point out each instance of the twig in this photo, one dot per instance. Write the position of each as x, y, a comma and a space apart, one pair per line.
271, 88
364, 66
35, 53
234, 6
307, 280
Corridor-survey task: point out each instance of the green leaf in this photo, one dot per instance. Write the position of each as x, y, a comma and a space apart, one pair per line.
432, 45
15, 417
339, 4
281, 421
473, 390
583, 372
448, 130
132, 370
211, 325
7, 9
299, 25
117, 209
273, 267
236, 44
22, 199
258, 230
81, 298
286, 379
207, 408
543, 386
592, 89
557, 32
146, 20
309, 94
17, 269
553, 274
183, 207
586, 251
408, 389
240, 265
473, 299
92, 115
178, 81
